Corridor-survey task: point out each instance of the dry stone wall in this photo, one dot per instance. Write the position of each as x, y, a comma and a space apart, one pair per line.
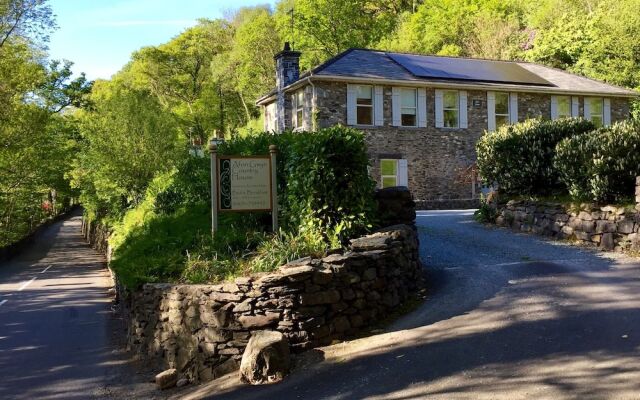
608, 227
202, 330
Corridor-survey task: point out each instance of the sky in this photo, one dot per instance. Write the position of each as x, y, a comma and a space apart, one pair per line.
100, 35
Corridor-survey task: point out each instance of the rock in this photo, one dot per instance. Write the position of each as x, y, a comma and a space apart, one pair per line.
625, 226
224, 297
369, 274
258, 321
322, 277
335, 259
372, 242
167, 379
607, 242
266, 358
225, 368
244, 306
341, 324
296, 273
312, 299
182, 382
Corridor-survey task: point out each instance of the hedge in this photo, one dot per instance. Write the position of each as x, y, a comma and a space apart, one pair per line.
601, 165
520, 157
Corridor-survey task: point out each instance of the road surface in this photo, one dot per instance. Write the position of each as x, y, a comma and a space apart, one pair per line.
509, 316
55, 319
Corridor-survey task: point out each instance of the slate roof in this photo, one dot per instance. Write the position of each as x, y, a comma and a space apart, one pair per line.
381, 65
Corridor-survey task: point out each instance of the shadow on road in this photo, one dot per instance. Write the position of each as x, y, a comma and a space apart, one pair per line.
510, 316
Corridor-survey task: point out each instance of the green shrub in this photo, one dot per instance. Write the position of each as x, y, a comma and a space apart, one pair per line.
322, 176
601, 165
520, 157
190, 186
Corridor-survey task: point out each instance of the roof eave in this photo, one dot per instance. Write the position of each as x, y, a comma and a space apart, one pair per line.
460, 85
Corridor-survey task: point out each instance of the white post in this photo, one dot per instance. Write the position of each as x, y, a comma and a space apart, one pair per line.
273, 149
213, 149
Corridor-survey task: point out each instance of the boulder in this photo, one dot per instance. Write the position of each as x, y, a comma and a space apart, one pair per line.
266, 358
167, 379
258, 321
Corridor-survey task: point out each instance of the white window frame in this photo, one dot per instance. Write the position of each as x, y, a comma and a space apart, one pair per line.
370, 106
456, 109
415, 108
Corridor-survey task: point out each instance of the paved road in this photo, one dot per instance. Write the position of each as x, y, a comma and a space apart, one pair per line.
510, 316
55, 319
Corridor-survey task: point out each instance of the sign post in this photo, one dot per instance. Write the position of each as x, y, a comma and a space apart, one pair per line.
213, 149
273, 150
243, 184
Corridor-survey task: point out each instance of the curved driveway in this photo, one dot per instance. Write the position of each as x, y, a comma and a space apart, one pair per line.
509, 316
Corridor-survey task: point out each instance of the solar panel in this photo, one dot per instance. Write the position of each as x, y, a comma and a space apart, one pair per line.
451, 68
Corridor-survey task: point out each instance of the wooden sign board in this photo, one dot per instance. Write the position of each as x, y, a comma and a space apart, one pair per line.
244, 183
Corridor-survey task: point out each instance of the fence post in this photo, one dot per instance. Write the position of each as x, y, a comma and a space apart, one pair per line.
213, 149
273, 150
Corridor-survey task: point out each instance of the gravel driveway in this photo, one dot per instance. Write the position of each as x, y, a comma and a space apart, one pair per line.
509, 316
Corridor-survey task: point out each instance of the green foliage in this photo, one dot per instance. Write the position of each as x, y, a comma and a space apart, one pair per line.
601, 165
325, 198
486, 213
324, 28
189, 185
322, 177
328, 181
126, 140
283, 247
480, 28
36, 143
520, 157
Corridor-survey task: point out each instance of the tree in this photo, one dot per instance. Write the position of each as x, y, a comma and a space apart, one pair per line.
178, 72
483, 28
248, 69
30, 20
324, 28
127, 138
58, 91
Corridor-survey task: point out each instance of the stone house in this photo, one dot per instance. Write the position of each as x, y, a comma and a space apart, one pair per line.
422, 115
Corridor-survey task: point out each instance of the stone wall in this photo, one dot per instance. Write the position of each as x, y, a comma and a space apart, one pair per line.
608, 227
97, 235
395, 206
202, 330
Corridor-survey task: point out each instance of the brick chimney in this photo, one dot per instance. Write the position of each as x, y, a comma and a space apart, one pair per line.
287, 72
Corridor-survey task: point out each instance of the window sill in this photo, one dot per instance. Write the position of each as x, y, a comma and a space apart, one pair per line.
365, 126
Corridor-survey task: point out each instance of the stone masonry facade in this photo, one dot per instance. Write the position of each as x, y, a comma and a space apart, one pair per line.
607, 227
202, 330
438, 158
